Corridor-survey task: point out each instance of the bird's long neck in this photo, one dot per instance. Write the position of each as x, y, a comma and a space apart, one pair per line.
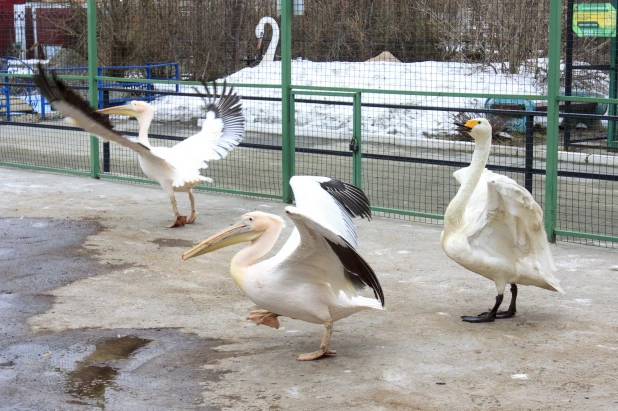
455, 210
272, 47
254, 251
144, 125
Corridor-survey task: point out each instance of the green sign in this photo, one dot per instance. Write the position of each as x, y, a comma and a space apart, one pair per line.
594, 20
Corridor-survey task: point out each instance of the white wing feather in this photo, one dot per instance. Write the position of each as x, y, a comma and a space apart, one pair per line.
314, 202
511, 224
325, 237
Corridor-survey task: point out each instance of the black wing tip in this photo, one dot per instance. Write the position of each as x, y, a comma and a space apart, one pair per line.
55, 90
357, 270
351, 198
228, 108
228, 103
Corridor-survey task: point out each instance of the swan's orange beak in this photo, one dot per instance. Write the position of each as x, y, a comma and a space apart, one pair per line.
467, 125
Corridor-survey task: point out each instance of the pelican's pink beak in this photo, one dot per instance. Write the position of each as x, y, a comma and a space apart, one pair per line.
126, 110
238, 233
259, 46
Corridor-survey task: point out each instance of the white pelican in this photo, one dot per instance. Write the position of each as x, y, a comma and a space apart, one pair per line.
259, 33
175, 168
494, 227
317, 274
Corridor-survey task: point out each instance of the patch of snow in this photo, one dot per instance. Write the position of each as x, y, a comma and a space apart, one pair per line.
386, 125
520, 376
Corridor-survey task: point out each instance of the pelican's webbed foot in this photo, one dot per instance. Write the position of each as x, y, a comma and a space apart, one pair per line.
315, 355
324, 350
181, 220
264, 317
191, 219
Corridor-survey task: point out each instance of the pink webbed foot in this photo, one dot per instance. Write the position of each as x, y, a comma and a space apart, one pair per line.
181, 220
264, 317
322, 352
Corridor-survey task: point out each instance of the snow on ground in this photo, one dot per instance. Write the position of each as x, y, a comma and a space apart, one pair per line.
377, 123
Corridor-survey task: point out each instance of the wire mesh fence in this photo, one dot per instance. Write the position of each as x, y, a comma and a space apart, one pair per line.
413, 66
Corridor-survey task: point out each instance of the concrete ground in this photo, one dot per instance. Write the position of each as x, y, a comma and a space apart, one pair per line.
99, 311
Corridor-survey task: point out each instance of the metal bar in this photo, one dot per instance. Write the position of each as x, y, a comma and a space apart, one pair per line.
103, 98
287, 105
239, 192
595, 67
357, 172
420, 93
613, 90
406, 212
219, 190
553, 112
92, 82
103, 176
588, 99
7, 94
529, 158
587, 235
568, 70
41, 168
106, 157
177, 71
68, 77
184, 82
288, 155
322, 93
149, 87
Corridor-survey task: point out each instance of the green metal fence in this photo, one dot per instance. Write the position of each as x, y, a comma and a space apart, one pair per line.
360, 91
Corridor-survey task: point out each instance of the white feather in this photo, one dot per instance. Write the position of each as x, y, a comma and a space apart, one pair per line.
494, 227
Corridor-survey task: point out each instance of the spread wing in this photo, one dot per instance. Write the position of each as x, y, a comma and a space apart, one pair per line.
324, 241
222, 130
71, 105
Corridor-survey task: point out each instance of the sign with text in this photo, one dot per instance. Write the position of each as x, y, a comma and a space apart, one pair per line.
594, 20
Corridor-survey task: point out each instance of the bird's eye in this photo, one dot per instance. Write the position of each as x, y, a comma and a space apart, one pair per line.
250, 218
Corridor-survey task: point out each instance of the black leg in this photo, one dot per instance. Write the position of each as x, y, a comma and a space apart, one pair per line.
512, 309
485, 317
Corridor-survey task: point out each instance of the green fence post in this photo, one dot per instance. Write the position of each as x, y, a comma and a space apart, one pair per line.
93, 93
287, 135
613, 91
553, 92
357, 176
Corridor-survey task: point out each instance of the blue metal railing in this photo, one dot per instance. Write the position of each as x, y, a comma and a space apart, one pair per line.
106, 101
9, 64
35, 100
104, 89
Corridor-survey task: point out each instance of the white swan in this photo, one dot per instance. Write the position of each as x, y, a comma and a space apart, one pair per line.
494, 227
259, 33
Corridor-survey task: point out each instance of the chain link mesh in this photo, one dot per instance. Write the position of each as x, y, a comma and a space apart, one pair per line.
410, 60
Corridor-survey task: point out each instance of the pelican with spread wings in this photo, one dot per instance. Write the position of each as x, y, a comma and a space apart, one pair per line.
318, 273
176, 168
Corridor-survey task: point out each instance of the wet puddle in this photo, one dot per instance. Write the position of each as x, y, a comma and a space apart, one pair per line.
93, 376
173, 242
